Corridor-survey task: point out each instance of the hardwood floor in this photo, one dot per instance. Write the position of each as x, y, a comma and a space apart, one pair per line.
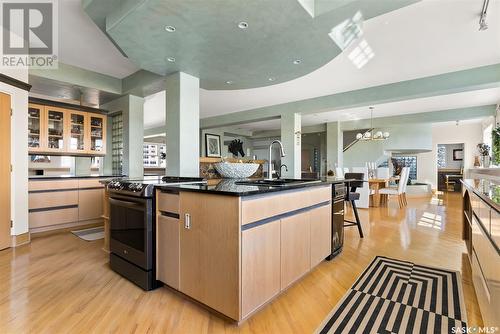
61, 284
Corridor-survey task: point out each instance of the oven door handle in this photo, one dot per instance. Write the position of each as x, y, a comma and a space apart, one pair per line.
132, 205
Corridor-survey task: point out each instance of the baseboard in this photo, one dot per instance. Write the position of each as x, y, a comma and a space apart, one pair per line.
21, 239
48, 230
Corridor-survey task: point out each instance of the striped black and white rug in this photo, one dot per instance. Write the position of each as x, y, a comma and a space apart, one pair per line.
393, 296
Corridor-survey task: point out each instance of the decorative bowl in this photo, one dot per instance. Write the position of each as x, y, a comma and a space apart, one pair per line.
236, 170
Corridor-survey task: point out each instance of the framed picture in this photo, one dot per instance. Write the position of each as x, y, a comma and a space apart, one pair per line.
458, 154
212, 145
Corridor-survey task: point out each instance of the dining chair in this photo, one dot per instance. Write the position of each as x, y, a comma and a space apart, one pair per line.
400, 191
364, 189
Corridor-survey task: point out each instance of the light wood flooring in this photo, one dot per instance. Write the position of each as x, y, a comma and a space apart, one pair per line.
61, 284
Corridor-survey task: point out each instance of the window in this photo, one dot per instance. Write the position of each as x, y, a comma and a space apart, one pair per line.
487, 137
441, 156
408, 161
117, 144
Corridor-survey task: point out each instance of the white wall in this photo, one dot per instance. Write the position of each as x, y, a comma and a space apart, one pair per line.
445, 133
407, 138
19, 151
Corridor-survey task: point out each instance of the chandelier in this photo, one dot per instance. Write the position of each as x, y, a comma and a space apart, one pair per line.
378, 135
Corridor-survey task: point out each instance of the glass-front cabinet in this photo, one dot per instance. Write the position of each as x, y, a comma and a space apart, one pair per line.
61, 130
97, 133
55, 129
77, 129
35, 121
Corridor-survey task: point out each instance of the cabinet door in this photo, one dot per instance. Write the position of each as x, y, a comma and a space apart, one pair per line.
209, 250
321, 233
167, 250
77, 127
55, 129
97, 135
260, 265
295, 248
36, 139
90, 204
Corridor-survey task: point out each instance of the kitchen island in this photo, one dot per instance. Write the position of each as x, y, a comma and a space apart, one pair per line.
481, 233
234, 247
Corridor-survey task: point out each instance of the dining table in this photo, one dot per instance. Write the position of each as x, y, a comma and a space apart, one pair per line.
375, 185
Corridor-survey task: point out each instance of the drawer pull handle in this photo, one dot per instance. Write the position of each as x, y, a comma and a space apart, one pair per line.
187, 221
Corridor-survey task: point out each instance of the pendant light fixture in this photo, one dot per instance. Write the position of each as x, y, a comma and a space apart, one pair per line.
379, 135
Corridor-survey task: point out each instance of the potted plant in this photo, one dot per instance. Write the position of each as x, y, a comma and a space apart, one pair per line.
484, 152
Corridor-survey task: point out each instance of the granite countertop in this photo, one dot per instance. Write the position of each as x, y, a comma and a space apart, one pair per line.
487, 190
64, 177
232, 188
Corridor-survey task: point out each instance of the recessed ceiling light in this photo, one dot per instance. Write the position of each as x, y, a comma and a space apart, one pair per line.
271, 79
171, 59
229, 82
297, 61
243, 25
170, 28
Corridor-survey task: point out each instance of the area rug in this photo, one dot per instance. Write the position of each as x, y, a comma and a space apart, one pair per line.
394, 296
90, 234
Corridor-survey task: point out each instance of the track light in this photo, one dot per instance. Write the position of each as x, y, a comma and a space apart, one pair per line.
482, 20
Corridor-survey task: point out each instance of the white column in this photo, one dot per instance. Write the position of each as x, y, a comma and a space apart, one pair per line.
334, 146
183, 125
132, 109
291, 138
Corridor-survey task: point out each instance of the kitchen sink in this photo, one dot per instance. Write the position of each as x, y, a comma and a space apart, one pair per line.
278, 182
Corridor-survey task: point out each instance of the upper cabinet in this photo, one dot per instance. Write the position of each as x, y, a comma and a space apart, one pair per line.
97, 133
78, 134
35, 122
55, 130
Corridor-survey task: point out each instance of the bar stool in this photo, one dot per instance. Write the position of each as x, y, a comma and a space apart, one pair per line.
352, 196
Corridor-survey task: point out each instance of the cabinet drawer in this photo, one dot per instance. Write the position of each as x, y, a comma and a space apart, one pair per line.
168, 251
261, 207
91, 183
52, 185
52, 199
52, 217
168, 202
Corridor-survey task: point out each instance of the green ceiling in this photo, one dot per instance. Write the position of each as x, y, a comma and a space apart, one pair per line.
208, 44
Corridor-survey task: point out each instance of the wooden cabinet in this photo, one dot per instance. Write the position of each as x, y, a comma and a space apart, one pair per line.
78, 134
36, 138
210, 250
260, 265
97, 126
55, 204
321, 233
295, 248
55, 130
168, 249
222, 254
90, 204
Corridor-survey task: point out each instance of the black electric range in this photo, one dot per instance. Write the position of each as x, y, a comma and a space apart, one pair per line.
132, 228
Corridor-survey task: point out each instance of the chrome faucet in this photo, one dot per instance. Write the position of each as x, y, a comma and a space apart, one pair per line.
269, 165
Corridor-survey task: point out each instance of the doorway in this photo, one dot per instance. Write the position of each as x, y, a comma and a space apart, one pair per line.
450, 166
5, 241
